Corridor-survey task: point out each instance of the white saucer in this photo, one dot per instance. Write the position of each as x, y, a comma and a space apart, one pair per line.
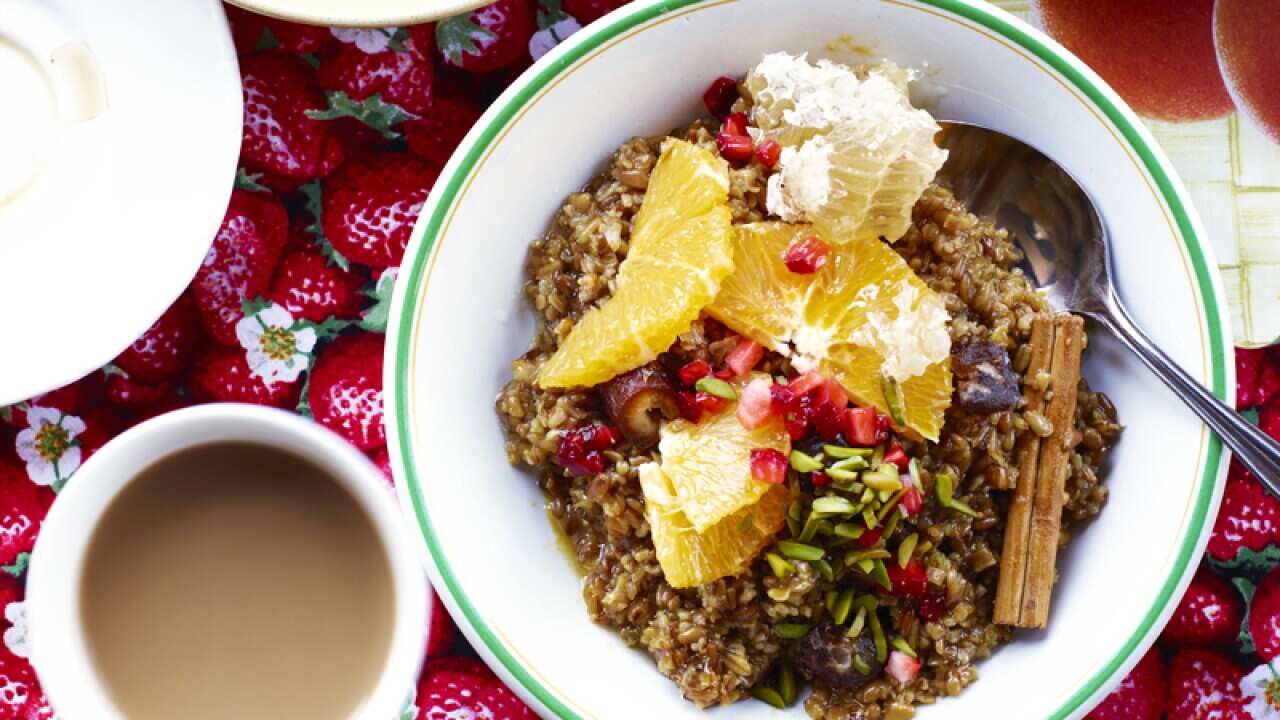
118, 145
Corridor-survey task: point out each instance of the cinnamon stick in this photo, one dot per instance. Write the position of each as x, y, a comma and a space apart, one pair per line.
1028, 566
1017, 531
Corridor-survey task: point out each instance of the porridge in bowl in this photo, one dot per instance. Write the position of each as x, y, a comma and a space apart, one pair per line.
798, 412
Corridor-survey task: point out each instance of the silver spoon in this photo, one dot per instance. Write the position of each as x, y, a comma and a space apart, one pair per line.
1069, 257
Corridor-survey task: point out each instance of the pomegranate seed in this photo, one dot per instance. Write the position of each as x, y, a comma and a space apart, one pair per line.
819, 479
724, 374
912, 501
579, 449
806, 255
693, 371
735, 124
806, 382
832, 392
688, 406
768, 466
932, 606
734, 148
909, 581
744, 356
869, 538
768, 153
829, 421
897, 456
860, 427
707, 403
902, 667
783, 397
720, 95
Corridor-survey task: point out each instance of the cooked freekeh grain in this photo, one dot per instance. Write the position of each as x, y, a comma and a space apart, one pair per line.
718, 640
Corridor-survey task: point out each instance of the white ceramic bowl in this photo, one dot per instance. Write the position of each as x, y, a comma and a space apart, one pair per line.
460, 318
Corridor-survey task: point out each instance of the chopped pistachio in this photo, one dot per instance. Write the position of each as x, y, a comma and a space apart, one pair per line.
801, 462
824, 567
893, 397
892, 525
869, 517
880, 574
866, 566
840, 612
831, 599
791, 631
877, 456
877, 633
768, 695
856, 556
840, 451
855, 627
906, 548
832, 505
799, 551
882, 482
781, 568
853, 463
845, 475
715, 386
849, 530
860, 665
901, 643
913, 468
787, 683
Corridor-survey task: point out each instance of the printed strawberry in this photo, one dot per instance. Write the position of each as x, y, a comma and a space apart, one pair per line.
1204, 685
443, 633
1269, 418
23, 505
163, 350
436, 135
70, 399
310, 288
1209, 613
253, 32
589, 10
382, 459
1140, 696
1249, 363
487, 38
450, 695
1249, 517
240, 261
20, 695
223, 375
280, 140
403, 77
371, 203
132, 395
1264, 616
345, 392
461, 664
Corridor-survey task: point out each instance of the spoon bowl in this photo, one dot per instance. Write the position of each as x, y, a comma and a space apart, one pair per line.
1067, 252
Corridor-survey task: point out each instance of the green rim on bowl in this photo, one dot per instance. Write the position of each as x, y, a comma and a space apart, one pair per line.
983, 15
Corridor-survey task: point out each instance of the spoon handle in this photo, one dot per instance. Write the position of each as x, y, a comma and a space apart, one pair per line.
1255, 450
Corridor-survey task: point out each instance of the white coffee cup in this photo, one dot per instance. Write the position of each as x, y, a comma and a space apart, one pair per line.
58, 646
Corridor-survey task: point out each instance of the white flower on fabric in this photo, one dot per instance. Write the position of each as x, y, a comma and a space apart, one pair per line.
49, 446
370, 40
1261, 691
15, 637
277, 348
545, 39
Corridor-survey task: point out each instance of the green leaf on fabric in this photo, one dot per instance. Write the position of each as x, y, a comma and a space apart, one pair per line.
1245, 638
397, 40
311, 59
372, 111
311, 191
19, 566
1251, 415
1248, 562
249, 181
254, 306
458, 35
375, 318
326, 330
266, 41
409, 710
6, 413
304, 405
551, 12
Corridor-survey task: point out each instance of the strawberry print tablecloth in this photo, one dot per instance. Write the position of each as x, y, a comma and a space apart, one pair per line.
345, 131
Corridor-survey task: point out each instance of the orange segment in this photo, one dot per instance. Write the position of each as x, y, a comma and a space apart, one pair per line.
709, 464
689, 558
863, 314
681, 249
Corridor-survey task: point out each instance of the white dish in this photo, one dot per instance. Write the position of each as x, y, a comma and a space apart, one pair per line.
459, 319
364, 13
113, 185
